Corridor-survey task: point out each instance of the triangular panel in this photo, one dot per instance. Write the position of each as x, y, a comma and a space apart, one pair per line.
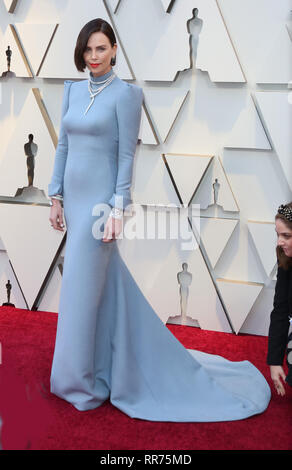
223, 66
7, 274
238, 298
11, 5
50, 299
215, 234
215, 189
113, 4
248, 131
265, 240
166, 5
146, 134
277, 114
175, 32
35, 39
14, 180
151, 183
164, 105
31, 244
18, 62
277, 52
187, 172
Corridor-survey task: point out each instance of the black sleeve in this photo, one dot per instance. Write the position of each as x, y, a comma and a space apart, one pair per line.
279, 324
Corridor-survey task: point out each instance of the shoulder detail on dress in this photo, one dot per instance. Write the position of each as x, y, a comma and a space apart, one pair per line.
133, 86
67, 86
130, 91
70, 82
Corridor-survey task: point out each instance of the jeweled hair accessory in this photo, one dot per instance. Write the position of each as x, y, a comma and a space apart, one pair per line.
286, 211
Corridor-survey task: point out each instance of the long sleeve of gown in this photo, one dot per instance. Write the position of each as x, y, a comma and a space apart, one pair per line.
128, 109
279, 324
56, 184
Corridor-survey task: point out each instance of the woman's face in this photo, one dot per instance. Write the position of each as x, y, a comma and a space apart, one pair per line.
284, 237
98, 54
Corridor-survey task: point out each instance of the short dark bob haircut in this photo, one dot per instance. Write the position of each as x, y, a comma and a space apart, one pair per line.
284, 261
94, 26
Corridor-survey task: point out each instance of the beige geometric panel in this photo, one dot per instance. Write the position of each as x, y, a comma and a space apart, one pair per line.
10, 5
238, 298
277, 115
146, 133
51, 296
13, 166
256, 176
207, 117
162, 280
164, 105
167, 50
223, 66
18, 63
206, 195
265, 240
258, 319
31, 244
263, 48
151, 183
278, 52
166, 5
59, 61
6, 273
172, 49
187, 172
248, 131
215, 234
113, 4
35, 39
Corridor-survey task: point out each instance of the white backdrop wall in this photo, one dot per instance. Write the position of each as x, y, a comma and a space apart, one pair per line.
215, 76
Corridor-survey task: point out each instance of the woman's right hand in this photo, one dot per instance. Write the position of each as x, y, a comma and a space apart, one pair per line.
278, 375
56, 215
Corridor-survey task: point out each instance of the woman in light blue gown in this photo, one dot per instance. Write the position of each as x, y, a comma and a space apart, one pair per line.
110, 344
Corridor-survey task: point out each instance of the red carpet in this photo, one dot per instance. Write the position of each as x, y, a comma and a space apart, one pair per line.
35, 419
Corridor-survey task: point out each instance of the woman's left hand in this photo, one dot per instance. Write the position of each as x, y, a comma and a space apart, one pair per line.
113, 228
278, 377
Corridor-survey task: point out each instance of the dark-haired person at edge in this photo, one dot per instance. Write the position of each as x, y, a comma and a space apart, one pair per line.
280, 342
110, 343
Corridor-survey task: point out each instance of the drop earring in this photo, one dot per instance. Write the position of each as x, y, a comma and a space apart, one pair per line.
113, 61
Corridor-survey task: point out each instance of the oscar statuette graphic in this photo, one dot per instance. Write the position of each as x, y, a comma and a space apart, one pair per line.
8, 72
8, 290
184, 279
30, 193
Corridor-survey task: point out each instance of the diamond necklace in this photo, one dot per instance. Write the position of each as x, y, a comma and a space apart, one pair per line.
93, 93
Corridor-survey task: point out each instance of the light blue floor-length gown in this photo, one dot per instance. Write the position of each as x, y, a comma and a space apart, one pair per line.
110, 344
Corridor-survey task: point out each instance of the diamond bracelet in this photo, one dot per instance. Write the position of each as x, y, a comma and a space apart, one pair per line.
57, 196
116, 213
